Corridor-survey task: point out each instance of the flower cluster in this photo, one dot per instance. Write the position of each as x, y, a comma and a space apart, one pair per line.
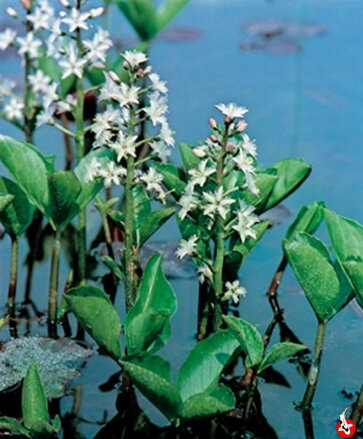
128, 106
50, 40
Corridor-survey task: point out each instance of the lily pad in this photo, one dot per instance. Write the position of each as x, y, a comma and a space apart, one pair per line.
58, 362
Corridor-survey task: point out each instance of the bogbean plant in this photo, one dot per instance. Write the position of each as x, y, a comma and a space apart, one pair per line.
219, 195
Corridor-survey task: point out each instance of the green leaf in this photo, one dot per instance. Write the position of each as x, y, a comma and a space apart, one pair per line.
190, 161
346, 236
28, 167
152, 222
142, 16
249, 338
168, 10
354, 270
95, 312
291, 173
14, 426
111, 264
173, 178
151, 381
279, 352
206, 361
18, 215
5, 200
147, 324
142, 205
33, 401
310, 261
64, 188
307, 220
204, 405
265, 182
90, 189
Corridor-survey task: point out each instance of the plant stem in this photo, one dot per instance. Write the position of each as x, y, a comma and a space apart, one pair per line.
219, 244
80, 151
357, 412
315, 367
308, 424
53, 285
27, 97
13, 276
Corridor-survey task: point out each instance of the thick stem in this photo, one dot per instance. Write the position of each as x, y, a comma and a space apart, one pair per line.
357, 412
53, 285
315, 367
27, 96
308, 424
80, 151
13, 276
219, 245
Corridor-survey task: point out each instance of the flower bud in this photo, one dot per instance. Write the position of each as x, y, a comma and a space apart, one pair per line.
213, 138
212, 123
125, 65
11, 12
198, 152
140, 73
227, 120
230, 147
96, 12
241, 126
147, 70
65, 3
26, 3
114, 77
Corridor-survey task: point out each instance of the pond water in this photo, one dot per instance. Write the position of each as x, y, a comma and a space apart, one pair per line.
304, 90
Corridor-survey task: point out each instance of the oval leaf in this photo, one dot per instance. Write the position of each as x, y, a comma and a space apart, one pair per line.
279, 352
249, 338
96, 313
206, 361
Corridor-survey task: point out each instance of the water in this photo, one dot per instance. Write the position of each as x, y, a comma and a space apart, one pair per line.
306, 104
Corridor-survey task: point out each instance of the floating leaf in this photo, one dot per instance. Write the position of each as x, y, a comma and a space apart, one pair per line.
249, 338
96, 313
147, 324
56, 360
151, 381
17, 216
279, 352
206, 361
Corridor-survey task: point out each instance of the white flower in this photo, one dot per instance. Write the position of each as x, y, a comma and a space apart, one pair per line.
76, 20
72, 63
93, 170
28, 45
104, 138
6, 87
128, 95
201, 174
50, 95
41, 17
244, 162
39, 82
188, 201
232, 110
112, 174
234, 291
157, 84
6, 38
161, 149
166, 135
13, 110
245, 221
97, 48
45, 116
104, 121
187, 247
110, 90
157, 108
134, 59
249, 145
152, 179
205, 273
124, 146
217, 203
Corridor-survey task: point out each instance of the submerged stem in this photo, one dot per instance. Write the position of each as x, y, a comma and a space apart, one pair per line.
315, 367
357, 412
53, 285
13, 275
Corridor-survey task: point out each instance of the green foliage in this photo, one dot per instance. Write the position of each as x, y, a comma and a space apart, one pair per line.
147, 324
206, 361
18, 215
278, 352
95, 312
5, 200
311, 263
58, 195
147, 20
307, 220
